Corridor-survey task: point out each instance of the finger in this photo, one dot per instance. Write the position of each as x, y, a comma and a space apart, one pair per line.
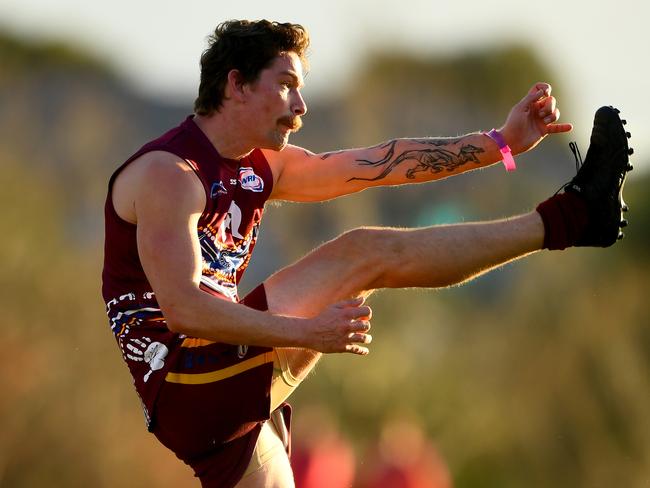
537, 91
559, 128
357, 313
360, 338
548, 107
552, 117
544, 87
357, 349
352, 302
359, 326
532, 97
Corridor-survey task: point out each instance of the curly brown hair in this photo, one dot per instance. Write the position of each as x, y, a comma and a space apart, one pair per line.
249, 47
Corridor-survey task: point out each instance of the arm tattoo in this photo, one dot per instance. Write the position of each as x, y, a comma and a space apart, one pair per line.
331, 153
434, 158
379, 146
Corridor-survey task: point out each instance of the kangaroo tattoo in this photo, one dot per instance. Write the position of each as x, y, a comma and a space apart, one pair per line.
435, 159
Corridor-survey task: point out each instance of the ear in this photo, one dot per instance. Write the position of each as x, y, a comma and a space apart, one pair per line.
235, 86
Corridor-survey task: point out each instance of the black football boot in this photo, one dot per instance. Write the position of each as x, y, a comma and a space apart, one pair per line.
600, 178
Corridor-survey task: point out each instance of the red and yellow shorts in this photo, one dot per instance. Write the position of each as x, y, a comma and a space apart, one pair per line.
215, 399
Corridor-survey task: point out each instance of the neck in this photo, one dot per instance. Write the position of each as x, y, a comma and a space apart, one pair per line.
225, 135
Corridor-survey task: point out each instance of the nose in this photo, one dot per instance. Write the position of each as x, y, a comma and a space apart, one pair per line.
298, 107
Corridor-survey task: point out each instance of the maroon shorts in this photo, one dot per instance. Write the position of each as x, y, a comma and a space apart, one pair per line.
210, 409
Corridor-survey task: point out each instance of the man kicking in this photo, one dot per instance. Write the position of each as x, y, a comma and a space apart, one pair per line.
182, 219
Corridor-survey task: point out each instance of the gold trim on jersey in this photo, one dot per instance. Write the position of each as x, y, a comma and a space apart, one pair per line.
220, 374
195, 342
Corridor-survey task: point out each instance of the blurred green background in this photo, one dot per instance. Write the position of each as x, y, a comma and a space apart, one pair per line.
535, 375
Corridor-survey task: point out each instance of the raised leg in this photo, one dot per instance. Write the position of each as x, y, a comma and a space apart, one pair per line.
366, 259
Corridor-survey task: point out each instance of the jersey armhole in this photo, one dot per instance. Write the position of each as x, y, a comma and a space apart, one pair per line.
111, 182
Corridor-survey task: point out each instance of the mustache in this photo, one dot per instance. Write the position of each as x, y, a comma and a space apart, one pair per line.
293, 123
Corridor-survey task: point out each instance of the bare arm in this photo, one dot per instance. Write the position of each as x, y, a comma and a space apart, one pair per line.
304, 176
168, 201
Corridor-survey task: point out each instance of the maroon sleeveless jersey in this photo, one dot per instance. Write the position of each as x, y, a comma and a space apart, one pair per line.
227, 230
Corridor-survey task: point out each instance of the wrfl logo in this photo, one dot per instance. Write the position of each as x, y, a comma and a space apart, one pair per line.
250, 181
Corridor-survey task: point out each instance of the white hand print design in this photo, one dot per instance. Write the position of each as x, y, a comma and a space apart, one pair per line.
152, 353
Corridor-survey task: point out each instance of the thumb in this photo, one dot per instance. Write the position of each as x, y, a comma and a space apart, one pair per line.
534, 95
545, 87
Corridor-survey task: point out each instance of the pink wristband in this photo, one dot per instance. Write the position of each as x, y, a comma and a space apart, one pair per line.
508, 160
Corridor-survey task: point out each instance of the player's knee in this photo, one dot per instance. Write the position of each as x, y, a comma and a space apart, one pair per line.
383, 252
370, 248
359, 244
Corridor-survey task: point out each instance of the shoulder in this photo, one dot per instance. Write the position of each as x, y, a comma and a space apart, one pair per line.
289, 155
160, 178
164, 168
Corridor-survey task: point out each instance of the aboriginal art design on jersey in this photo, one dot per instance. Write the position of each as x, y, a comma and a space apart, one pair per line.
225, 255
129, 310
225, 252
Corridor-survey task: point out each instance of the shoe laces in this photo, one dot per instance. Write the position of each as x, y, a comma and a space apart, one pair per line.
576, 154
578, 158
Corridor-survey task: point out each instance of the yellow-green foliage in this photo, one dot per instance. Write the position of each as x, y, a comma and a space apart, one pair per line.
536, 375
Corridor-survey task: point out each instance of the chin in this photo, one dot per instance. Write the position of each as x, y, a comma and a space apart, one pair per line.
278, 143
283, 144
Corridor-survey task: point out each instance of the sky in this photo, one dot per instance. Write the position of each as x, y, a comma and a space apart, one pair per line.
599, 49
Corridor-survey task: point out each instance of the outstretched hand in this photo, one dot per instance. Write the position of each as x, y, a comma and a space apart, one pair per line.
532, 119
342, 327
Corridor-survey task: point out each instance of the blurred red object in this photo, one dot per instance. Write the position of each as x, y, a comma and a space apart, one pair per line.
329, 464
404, 458
320, 456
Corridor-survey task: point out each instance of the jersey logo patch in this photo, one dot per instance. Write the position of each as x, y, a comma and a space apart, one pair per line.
217, 189
250, 181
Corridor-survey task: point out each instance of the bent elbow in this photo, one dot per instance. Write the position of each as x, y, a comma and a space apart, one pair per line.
175, 326
174, 320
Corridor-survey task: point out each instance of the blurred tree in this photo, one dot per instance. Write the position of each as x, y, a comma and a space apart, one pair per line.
536, 375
